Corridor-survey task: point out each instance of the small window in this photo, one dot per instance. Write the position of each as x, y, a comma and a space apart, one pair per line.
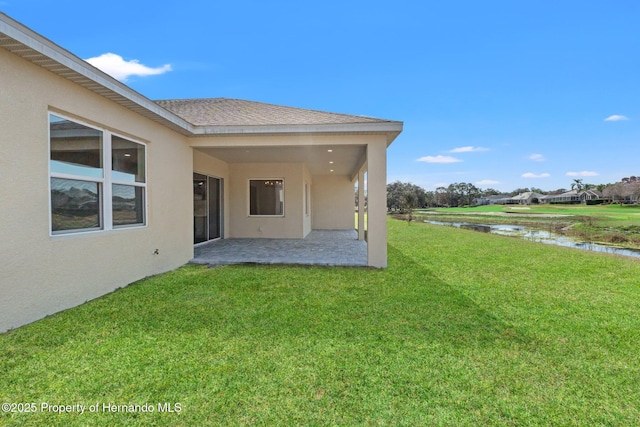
127, 160
128, 205
266, 197
128, 176
75, 149
75, 205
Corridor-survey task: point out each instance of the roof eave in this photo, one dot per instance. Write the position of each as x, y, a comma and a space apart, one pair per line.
39, 50
391, 129
34, 48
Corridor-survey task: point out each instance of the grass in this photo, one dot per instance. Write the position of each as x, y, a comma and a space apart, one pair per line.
618, 225
463, 328
612, 214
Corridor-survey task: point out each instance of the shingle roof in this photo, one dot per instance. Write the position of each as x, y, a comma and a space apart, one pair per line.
236, 112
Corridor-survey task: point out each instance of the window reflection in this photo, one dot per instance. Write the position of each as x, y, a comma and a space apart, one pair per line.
127, 160
128, 205
75, 149
266, 197
74, 204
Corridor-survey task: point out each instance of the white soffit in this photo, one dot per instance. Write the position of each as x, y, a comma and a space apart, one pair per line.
321, 159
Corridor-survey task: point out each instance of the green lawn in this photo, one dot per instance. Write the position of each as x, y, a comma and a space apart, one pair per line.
609, 215
617, 225
463, 328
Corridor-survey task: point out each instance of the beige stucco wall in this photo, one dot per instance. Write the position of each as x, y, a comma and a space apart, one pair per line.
307, 205
42, 274
333, 199
377, 202
211, 166
291, 225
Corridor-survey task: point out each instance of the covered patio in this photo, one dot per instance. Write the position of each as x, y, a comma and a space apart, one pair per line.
320, 247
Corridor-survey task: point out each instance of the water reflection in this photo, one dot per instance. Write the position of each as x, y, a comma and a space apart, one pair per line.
540, 236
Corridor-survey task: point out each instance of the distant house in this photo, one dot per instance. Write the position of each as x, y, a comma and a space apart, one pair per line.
567, 197
573, 196
490, 200
590, 195
527, 198
101, 186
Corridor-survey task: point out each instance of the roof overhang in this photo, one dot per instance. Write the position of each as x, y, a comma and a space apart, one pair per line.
391, 129
39, 50
34, 48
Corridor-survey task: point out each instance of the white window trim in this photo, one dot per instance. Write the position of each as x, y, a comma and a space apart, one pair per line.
249, 198
106, 182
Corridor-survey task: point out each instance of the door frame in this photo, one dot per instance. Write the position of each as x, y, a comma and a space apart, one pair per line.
220, 206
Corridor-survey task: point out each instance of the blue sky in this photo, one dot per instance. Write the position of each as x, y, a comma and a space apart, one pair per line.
502, 94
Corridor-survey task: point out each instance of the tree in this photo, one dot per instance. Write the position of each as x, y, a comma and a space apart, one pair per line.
490, 192
538, 190
408, 202
464, 193
625, 191
396, 191
519, 191
577, 185
442, 197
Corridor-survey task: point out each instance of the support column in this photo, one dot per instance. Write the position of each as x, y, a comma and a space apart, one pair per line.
361, 203
377, 203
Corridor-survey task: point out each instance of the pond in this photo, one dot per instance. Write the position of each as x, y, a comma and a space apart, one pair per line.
541, 236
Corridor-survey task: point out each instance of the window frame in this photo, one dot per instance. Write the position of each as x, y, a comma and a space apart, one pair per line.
127, 183
282, 215
105, 183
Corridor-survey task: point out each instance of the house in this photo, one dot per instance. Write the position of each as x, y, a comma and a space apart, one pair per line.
590, 195
100, 186
572, 197
491, 200
526, 198
567, 197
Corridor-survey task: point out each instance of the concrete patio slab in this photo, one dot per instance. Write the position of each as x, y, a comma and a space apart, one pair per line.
320, 247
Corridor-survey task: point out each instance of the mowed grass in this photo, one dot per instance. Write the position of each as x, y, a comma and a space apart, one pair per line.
463, 328
605, 215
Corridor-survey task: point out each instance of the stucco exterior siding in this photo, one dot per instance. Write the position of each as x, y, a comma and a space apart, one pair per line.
288, 226
41, 274
307, 200
211, 166
318, 155
377, 203
333, 199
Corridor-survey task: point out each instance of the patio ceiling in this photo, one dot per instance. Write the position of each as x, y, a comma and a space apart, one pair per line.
346, 158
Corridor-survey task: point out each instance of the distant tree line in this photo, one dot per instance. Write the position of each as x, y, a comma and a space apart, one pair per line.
404, 196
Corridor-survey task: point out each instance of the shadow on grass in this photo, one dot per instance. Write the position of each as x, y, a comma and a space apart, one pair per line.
259, 341
405, 302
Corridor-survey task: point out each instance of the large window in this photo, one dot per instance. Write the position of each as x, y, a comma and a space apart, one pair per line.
266, 197
98, 179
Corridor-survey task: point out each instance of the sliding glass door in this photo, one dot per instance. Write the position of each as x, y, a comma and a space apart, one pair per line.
207, 208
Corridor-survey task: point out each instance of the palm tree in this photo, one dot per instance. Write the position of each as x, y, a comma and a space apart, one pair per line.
577, 185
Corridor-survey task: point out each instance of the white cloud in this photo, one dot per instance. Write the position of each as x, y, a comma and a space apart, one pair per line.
118, 68
487, 182
537, 157
441, 184
438, 159
533, 175
583, 173
468, 149
616, 118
